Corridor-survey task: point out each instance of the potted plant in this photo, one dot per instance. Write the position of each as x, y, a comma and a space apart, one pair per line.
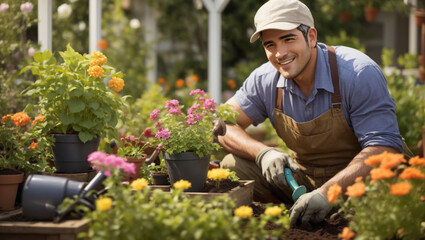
159, 173
79, 107
187, 140
22, 151
420, 13
370, 9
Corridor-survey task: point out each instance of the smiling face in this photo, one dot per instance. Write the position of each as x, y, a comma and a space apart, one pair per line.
289, 52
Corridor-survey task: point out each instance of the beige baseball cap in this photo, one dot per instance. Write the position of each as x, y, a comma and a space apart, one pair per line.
281, 15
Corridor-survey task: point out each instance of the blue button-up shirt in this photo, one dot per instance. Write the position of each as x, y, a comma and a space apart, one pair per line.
367, 105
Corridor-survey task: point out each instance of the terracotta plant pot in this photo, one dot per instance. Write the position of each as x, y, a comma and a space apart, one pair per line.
420, 17
138, 162
370, 13
9, 182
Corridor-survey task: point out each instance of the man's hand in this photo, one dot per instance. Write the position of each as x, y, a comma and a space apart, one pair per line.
272, 163
314, 205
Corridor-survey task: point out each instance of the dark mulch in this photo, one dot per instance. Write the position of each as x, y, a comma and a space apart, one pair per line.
224, 186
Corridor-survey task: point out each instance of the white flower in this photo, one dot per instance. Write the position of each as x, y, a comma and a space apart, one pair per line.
64, 11
31, 51
26, 7
82, 26
134, 23
4, 7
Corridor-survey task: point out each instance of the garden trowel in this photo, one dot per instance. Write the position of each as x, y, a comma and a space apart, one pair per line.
297, 190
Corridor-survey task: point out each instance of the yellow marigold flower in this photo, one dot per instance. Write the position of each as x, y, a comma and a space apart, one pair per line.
117, 84
417, 161
33, 145
139, 184
218, 174
231, 83
380, 173
96, 71
182, 185
243, 212
273, 211
20, 119
356, 190
39, 118
412, 172
400, 189
333, 192
391, 160
194, 78
103, 204
180, 83
346, 234
3, 119
161, 80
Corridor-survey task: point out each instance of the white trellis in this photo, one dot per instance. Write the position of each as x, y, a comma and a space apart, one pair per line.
45, 23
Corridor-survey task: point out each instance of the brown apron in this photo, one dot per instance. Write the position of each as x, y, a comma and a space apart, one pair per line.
322, 146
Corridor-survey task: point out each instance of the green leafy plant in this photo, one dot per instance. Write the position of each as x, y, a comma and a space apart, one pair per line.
132, 147
389, 202
73, 96
161, 168
408, 60
23, 147
134, 211
178, 132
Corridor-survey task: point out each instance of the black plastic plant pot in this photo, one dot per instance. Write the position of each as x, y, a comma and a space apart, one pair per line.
188, 166
71, 153
42, 194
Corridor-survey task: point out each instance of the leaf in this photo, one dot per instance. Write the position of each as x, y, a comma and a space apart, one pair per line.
64, 119
94, 105
87, 123
76, 106
76, 92
85, 136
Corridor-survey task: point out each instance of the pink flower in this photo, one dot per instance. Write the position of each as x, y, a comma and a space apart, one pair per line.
158, 124
209, 104
105, 162
163, 133
26, 7
148, 133
193, 108
197, 91
172, 103
192, 119
154, 114
4, 7
175, 111
31, 51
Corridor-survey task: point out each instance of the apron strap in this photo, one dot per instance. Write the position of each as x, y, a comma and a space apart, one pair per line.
336, 96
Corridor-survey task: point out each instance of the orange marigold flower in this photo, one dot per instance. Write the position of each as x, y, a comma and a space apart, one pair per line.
422, 198
96, 71
380, 173
161, 80
39, 118
358, 179
167, 87
33, 145
102, 44
3, 119
400, 189
373, 160
391, 160
20, 119
194, 78
412, 172
346, 234
180, 83
333, 192
356, 190
117, 84
231, 83
417, 161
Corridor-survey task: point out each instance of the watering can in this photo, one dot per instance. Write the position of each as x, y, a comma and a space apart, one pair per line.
297, 190
42, 195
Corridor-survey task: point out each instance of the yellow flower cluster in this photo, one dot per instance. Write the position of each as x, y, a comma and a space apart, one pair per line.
218, 174
103, 204
273, 211
96, 71
139, 184
182, 185
243, 212
99, 59
116, 84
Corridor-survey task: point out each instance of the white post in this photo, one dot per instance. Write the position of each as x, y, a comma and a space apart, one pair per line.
45, 24
95, 23
214, 7
413, 30
150, 29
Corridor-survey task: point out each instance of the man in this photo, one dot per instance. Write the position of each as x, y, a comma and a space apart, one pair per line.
330, 106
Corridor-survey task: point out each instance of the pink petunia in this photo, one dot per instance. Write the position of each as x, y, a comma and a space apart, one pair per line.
105, 162
209, 104
154, 114
193, 108
197, 91
176, 111
163, 133
172, 103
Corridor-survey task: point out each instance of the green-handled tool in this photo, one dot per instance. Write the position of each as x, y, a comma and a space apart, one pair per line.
297, 190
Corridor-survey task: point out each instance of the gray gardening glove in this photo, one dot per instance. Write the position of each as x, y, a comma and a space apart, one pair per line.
314, 205
272, 163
